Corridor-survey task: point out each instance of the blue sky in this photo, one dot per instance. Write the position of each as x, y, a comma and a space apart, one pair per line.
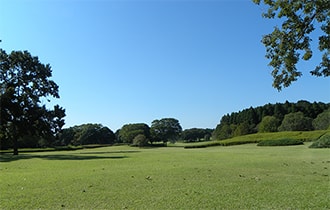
131, 61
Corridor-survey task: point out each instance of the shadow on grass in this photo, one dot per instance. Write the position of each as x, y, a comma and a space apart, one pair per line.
10, 157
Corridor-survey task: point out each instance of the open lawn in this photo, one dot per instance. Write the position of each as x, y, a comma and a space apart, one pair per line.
122, 177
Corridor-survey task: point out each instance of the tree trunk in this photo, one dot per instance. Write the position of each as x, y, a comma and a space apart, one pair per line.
15, 146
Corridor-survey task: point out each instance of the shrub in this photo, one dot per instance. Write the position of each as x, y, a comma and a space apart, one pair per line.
203, 145
140, 140
322, 142
296, 122
322, 121
280, 142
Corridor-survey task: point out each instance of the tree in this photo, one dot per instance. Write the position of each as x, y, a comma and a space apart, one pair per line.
296, 122
86, 134
222, 131
129, 131
166, 129
195, 134
96, 134
242, 129
322, 121
285, 45
268, 124
140, 140
24, 84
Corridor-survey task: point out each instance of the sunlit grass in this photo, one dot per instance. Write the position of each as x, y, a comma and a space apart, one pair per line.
240, 177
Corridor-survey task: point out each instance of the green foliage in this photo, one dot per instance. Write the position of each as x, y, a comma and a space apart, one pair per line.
203, 145
196, 134
322, 121
229, 123
280, 142
24, 81
304, 136
242, 129
285, 45
322, 142
129, 131
296, 122
140, 140
222, 131
86, 134
268, 124
166, 129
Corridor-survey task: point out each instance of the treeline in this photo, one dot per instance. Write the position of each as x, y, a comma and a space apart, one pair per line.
135, 134
300, 116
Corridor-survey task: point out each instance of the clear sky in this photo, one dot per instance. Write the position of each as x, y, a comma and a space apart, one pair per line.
134, 61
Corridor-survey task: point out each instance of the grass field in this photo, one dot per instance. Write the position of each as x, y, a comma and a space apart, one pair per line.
122, 177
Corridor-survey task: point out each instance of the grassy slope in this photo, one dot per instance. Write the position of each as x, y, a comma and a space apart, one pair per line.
240, 177
298, 135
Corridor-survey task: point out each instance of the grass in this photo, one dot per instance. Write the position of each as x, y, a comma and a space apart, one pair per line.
304, 136
122, 177
322, 142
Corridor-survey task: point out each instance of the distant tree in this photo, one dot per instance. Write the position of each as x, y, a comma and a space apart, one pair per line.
129, 131
322, 121
66, 136
242, 129
222, 131
268, 124
195, 134
166, 129
285, 45
296, 122
253, 116
96, 134
140, 140
118, 139
24, 84
86, 134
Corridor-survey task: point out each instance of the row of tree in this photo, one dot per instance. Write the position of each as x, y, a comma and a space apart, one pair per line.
300, 116
138, 134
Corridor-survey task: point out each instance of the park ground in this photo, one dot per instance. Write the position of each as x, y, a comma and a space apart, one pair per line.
123, 177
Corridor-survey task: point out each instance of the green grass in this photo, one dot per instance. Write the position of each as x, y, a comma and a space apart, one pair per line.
122, 177
304, 136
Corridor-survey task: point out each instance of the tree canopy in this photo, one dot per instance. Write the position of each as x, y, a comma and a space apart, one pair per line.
129, 131
166, 129
287, 44
269, 117
196, 134
24, 84
86, 134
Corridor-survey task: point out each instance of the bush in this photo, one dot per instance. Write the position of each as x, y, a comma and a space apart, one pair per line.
203, 145
296, 122
322, 142
140, 140
322, 121
280, 142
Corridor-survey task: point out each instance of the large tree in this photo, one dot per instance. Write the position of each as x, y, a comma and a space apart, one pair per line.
129, 131
86, 134
296, 122
24, 85
166, 129
292, 41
